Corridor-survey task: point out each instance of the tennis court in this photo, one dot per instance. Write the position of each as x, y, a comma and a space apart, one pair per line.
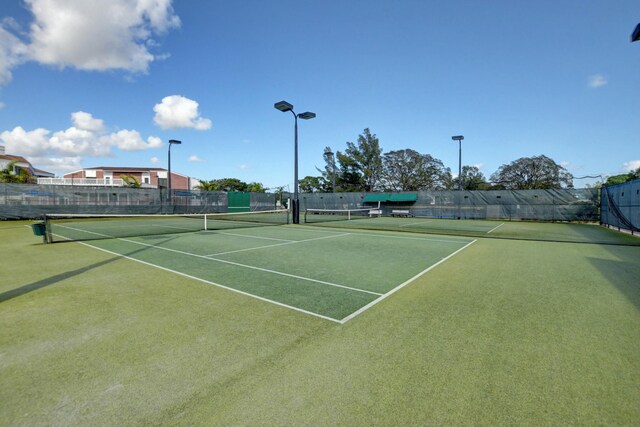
472, 228
162, 320
329, 273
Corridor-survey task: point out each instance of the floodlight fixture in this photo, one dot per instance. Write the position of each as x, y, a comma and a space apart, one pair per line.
635, 36
457, 138
284, 106
307, 115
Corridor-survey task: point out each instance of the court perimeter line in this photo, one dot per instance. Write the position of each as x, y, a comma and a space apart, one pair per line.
414, 223
287, 242
360, 232
266, 270
495, 228
301, 310
250, 236
402, 285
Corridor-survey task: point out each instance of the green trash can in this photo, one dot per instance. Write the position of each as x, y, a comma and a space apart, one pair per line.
39, 229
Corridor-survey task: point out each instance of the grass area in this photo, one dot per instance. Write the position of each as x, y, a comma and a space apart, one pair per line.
506, 332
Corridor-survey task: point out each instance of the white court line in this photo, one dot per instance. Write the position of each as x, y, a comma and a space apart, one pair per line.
365, 233
251, 267
342, 321
287, 242
251, 237
402, 285
495, 228
414, 223
215, 284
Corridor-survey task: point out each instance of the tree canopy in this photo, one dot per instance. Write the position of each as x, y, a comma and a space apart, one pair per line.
408, 170
532, 173
230, 184
619, 179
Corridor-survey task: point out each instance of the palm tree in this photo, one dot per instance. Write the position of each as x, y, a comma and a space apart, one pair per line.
212, 185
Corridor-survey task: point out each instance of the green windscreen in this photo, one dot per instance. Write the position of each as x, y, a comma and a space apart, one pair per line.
239, 201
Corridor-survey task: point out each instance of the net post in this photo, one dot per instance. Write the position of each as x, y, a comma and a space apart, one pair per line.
205, 222
46, 238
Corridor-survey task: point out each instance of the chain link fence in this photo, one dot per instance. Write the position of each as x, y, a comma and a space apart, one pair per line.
25, 201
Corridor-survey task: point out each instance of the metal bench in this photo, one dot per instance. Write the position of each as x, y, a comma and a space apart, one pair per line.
401, 213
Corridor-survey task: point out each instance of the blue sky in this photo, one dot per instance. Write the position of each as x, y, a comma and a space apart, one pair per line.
90, 83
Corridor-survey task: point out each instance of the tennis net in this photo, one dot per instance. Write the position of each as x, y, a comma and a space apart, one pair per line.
326, 215
79, 227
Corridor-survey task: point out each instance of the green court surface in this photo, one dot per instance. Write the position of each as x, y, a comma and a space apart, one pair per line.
519, 230
327, 273
332, 325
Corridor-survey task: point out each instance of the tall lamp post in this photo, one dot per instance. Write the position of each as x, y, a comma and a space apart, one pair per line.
284, 106
329, 154
459, 138
171, 142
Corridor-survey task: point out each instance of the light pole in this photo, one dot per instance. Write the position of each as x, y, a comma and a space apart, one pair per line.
171, 142
329, 154
459, 138
284, 106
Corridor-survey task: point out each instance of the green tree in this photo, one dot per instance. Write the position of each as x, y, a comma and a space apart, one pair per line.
14, 174
408, 170
532, 173
255, 187
473, 179
361, 164
619, 179
211, 185
349, 178
311, 184
230, 184
329, 172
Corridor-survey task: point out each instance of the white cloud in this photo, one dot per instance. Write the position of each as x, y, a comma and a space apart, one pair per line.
130, 140
176, 111
88, 35
65, 149
25, 143
154, 160
12, 50
74, 141
631, 165
85, 121
195, 159
1, 105
597, 80
244, 166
